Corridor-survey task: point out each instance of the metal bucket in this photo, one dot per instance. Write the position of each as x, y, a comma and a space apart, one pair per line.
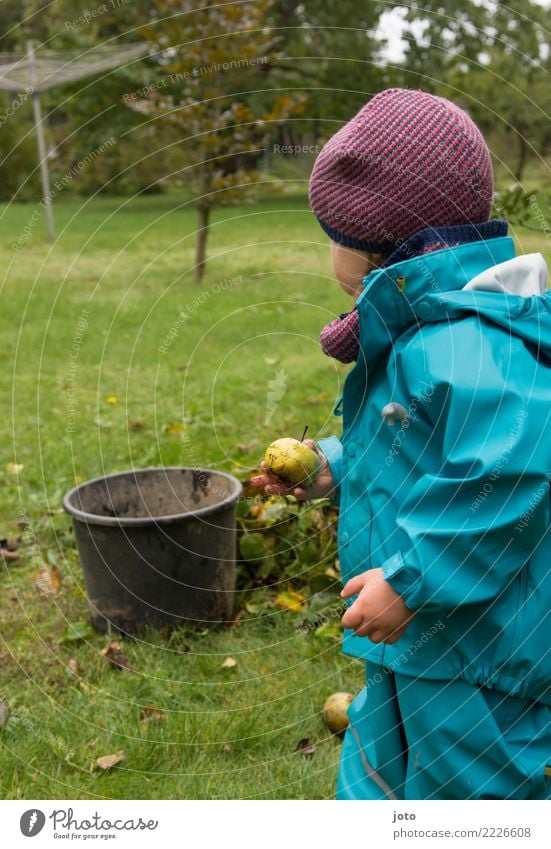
157, 547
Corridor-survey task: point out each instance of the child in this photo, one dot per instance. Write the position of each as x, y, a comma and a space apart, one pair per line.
443, 467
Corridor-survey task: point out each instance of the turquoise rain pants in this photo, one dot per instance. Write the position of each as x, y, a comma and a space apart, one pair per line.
410, 738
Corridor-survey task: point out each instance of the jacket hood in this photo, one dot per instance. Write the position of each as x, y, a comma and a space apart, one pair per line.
511, 294
483, 278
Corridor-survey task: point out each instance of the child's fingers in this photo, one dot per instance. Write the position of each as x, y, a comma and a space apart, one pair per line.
353, 617
266, 479
277, 489
260, 480
353, 586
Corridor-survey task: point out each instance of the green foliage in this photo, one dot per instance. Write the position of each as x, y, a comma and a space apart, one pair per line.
329, 52
494, 61
280, 539
514, 204
19, 177
211, 61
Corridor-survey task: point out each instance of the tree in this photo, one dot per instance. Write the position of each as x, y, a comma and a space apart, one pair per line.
493, 60
80, 117
332, 51
210, 98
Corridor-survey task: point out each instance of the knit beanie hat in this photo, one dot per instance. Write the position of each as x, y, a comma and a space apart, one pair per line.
408, 160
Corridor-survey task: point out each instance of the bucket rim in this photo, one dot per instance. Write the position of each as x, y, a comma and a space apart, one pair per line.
137, 521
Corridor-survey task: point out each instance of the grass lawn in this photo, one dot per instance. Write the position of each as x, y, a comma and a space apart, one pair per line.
96, 317
101, 372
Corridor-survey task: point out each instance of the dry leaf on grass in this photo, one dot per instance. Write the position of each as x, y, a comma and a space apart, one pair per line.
236, 621
176, 427
74, 667
306, 747
150, 713
14, 468
289, 600
229, 663
48, 581
109, 761
114, 655
4, 712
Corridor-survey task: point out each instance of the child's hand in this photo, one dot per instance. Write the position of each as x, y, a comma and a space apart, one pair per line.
379, 612
322, 487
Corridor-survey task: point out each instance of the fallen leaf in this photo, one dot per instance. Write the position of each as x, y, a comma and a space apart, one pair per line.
289, 600
109, 761
76, 631
114, 655
150, 713
306, 747
329, 632
14, 468
4, 712
236, 621
48, 581
251, 608
177, 427
111, 399
271, 361
74, 667
229, 663
227, 746
246, 447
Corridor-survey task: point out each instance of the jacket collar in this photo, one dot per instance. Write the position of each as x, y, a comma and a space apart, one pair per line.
452, 235
401, 294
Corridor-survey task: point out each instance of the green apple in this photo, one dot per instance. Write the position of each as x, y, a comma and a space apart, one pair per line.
293, 462
335, 713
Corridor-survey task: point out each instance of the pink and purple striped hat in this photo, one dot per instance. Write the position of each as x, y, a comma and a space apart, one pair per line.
408, 160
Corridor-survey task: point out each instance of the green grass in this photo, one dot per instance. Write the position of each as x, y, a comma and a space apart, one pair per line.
125, 266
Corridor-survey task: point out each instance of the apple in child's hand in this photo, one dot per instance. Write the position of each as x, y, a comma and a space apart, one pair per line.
293, 462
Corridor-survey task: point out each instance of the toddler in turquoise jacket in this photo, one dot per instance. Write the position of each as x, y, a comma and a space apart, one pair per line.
442, 471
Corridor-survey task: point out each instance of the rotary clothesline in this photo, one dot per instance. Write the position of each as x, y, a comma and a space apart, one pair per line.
49, 68
34, 73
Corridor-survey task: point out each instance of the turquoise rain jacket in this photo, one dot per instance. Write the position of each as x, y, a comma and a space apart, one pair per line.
444, 463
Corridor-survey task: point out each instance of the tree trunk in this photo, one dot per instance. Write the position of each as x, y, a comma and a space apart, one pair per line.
203, 218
